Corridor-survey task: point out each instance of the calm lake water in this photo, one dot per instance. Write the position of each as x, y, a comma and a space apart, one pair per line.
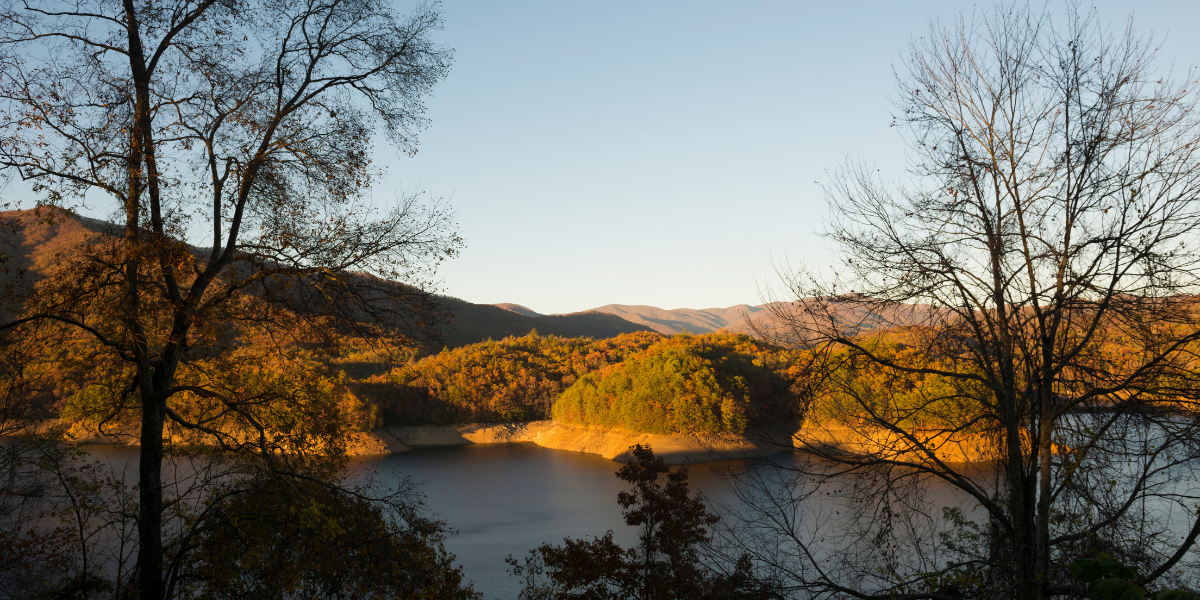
500, 499
505, 499
509, 498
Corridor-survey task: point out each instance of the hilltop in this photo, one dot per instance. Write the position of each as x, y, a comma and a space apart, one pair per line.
32, 241
679, 320
738, 319
474, 323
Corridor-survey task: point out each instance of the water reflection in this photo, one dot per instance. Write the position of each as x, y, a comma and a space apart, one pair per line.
508, 498
505, 499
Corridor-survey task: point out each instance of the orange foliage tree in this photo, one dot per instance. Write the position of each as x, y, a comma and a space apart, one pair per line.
712, 383
232, 140
514, 379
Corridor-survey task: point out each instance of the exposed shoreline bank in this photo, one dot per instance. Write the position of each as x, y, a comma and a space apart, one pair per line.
613, 444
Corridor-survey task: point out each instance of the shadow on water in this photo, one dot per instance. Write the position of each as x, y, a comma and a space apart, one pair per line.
509, 498
505, 499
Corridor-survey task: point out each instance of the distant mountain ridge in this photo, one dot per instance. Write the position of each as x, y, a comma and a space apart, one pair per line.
664, 321
31, 242
478, 322
762, 319
679, 320
520, 310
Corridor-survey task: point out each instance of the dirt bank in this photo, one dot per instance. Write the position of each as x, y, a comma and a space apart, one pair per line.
613, 444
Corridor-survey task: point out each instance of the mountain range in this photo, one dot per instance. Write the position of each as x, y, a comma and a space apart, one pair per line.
668, 322
29, 246
777, 320
478, 322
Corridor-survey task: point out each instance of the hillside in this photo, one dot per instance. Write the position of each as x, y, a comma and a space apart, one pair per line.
679, 320
589, 323
707, 384
640, 382
30, 244
520, 310
513, 379
473, 323
761, 319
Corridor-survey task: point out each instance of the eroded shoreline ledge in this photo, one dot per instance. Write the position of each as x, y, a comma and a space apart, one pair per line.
613, 444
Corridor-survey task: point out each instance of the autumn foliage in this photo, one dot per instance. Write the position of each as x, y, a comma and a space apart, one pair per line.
713, 383
638, 381
514, 379
849, 389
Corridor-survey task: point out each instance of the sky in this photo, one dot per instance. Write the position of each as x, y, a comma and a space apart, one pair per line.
666, 153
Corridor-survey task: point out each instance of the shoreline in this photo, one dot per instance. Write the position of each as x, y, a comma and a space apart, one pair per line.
613, 444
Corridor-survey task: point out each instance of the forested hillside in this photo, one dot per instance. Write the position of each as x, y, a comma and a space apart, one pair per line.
472, 323
644, 382
713, 383
514, 379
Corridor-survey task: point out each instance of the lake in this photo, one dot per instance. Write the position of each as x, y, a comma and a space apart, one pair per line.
505, 499
509, 498
501, 499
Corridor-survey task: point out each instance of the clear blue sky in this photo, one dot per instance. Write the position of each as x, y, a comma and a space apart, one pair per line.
663, 153
666, 152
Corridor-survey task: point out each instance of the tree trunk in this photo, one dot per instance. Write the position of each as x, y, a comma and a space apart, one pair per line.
1043, 501
1024, 530
150, 549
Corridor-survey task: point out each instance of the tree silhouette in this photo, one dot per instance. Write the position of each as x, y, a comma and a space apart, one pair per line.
232, 142
1040, 273
666, 563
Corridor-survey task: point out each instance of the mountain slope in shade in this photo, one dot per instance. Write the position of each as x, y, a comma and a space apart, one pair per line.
520, 310
850, 318
31, 243
679, 320
762, 319
592, 324
474, 323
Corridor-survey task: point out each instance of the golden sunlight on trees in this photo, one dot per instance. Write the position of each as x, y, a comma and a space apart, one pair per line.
514, 379
1048, 234
231, 141
641, 382
709, 384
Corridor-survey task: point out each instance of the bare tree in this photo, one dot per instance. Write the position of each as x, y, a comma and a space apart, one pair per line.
246, 126
1039, 270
